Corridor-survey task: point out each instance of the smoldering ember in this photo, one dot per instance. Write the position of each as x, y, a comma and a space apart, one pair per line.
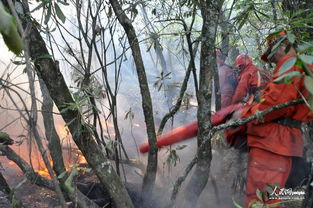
156, 104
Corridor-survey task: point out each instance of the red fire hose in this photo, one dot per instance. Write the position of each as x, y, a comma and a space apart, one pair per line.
190, 130
179, 134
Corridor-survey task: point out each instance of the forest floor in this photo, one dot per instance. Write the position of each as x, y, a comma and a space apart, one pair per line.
226, 183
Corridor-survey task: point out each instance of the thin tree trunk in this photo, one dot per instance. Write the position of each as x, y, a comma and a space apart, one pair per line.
5, 188
30, 174
150, 175
225, 30
82, 136
32, 118
48, 71
210, 14
182, 91
37, 179
54, 143
308, 201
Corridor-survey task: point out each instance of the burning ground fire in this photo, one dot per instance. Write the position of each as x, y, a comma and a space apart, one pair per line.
79, 159
71, 155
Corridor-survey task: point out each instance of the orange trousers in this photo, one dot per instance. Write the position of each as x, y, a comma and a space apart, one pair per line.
264, 168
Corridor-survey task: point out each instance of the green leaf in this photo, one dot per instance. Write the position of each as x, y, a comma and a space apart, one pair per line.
70, 122
9, 32
168, 74
259, 194
62, 175
287, 78
310, 101
48, 15
4, 136
306, 58
278, 30
256, 204
243, 21
39, 6
291, 37
300, 12
265, 15
63, 2
287, 65
235, 204
180, 147
307, 69
6, 20
308, 83
59, 12
269, 189
13, 41
19, 62
110, 12
299, 64
87, 170
275, 47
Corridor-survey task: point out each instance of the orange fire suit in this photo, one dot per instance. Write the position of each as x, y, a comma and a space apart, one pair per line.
227, 82
272, 144
249, 81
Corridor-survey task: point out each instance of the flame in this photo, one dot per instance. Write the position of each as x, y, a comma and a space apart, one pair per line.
79, 159
193, 103
62, 130
71, 154
107, 123
44, 173
112, 134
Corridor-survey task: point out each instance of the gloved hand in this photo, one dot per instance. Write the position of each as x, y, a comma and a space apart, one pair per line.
225, 114
236, 115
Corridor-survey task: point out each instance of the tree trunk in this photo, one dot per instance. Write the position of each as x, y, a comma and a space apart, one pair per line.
54, 143
150, 175
48, 71
210, 14
31, 175
5, 188
308, 201
37, 179
308, 141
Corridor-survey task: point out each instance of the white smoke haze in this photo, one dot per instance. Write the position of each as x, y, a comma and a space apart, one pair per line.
133, 132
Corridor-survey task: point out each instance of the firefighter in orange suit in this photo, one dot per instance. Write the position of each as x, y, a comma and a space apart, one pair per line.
227, 80
277, 138
250, 80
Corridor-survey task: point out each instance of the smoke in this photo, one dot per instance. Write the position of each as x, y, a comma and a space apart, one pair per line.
133, 131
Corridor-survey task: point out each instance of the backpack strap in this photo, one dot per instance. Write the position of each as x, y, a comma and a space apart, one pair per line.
251, 98
292, 123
